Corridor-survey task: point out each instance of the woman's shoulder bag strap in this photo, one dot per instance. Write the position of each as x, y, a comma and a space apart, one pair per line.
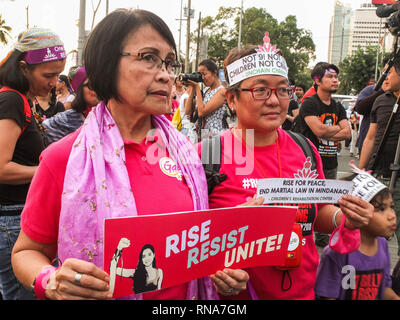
27, 107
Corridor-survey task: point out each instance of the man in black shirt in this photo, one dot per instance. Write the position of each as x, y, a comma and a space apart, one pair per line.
380, 114
323, 120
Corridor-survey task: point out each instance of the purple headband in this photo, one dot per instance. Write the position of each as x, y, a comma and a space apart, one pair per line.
327, 71
78, 78
45, 55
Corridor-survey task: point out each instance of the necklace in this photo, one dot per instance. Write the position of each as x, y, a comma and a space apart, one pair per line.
256, 162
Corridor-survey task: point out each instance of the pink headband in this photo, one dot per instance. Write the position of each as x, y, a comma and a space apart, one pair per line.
78, 79
45, 55
327, 71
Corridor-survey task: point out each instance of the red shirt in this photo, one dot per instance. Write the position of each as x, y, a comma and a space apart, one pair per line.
310, 92
156, 185
240, 188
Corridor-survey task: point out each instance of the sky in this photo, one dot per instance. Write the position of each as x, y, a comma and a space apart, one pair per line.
62, 16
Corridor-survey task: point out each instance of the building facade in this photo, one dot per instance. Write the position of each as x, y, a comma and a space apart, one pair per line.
353, 29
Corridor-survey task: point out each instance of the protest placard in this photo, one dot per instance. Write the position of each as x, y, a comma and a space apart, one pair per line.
180, 247
281, 190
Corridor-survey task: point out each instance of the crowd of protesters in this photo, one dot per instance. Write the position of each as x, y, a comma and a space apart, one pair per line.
67, 139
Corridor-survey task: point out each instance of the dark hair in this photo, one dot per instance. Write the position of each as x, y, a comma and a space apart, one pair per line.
377, 200
139, 278
233, 55
210, 65
53, 97
11, 74
79, 104
102, 52
396, 65
321, 67
65, 79
301, 86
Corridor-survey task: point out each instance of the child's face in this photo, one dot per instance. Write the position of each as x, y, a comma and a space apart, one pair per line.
383, 222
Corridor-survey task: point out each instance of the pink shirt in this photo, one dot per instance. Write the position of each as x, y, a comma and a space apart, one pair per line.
156, 184
239, 188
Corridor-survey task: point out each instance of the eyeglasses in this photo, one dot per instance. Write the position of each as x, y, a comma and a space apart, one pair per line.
264, 93
87, 84
153, 62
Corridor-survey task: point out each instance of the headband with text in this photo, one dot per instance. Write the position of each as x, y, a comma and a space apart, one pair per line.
266, 61
365, 186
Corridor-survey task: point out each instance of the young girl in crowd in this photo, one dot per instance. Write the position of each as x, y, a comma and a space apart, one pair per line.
31, 70
365, 273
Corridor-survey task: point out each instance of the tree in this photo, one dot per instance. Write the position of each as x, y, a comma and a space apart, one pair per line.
296, 44
221, 38
304, 78
254, 25
356, 70
5, 31
95, 9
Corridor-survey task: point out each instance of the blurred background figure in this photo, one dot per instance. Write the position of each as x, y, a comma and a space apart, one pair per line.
48, 105
64, 92
70, 120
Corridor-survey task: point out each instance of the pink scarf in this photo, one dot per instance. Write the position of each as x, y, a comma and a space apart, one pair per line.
96, 187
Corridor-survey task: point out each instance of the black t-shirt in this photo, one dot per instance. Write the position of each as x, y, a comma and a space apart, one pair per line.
27, 149
51, 111
293, 105
328, 114
380, 114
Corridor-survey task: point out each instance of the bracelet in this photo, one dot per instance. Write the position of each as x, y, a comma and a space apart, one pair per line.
334, 218
40, 283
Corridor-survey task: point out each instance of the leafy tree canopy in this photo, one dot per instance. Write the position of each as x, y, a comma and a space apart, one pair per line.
356, 70
295, 43
5, 31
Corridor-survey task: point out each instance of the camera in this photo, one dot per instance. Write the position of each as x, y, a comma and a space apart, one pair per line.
392, 13
393, 23
195, 76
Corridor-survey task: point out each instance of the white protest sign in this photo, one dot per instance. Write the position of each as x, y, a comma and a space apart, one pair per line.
366, 186
266, 60
257, 64
280, 190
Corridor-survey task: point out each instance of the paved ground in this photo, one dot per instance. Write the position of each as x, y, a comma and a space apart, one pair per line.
344, 158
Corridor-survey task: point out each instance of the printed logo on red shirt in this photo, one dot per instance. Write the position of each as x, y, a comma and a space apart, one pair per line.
306, 172
170, 168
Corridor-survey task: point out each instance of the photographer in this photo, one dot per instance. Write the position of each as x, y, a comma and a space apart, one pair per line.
210, 103
380, 114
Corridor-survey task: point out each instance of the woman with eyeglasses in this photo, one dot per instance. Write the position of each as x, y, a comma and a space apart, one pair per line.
70, 120
258, 148
102, 171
